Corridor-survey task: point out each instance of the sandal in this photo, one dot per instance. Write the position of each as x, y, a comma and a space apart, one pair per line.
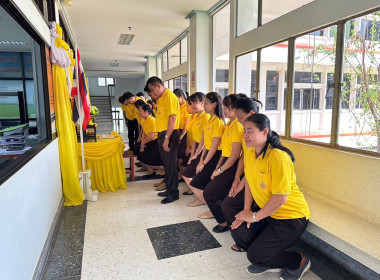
237, 248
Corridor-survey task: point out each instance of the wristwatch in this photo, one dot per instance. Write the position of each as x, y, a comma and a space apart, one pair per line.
254, 217
220, 170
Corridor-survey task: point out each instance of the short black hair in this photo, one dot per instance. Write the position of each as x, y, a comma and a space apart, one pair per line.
140, 94
154, 81
197, 97
179, 92
128, 95
146, 88
139, 103
121, 99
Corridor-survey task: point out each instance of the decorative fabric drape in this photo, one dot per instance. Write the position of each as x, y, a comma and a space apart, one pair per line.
67, 141
105, 159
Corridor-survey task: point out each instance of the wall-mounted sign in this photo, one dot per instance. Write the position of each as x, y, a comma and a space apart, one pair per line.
193, 79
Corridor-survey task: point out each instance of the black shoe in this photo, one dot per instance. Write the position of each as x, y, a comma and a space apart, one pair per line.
165, 193
219, 229
148, 176
186, 193
170, 198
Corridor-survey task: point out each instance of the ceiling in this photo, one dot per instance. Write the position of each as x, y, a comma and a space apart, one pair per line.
97, 26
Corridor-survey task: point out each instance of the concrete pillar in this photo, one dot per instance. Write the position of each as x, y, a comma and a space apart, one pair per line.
150, 67
199, 78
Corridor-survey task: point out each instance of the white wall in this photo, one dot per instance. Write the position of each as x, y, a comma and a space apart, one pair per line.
121, 85
29, 201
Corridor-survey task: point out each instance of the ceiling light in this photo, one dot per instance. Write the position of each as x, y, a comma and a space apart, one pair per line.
125, 39
66, 2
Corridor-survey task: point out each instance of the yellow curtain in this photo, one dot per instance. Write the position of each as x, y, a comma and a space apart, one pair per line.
67, 140
105, 160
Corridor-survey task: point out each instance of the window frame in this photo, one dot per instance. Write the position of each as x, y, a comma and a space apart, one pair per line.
15, 165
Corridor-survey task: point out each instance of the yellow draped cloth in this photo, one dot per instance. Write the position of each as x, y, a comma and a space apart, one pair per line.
105, 160
67, 140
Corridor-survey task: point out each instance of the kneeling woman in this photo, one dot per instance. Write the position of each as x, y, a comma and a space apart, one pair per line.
212, 149
282, 214
224, 173
149, 153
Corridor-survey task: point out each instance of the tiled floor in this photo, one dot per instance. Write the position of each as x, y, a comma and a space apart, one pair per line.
131, 235
117, 244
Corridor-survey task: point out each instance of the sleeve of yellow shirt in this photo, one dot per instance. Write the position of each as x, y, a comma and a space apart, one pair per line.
173, 108
281, 172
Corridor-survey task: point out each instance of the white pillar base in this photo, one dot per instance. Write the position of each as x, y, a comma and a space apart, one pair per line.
85, 182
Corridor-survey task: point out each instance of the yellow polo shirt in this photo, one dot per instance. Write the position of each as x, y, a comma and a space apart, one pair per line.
167, 105
131, 111
128, 112
213, 129
189, 128
184, 115
199, 125
149, 125
274, 174
233, 133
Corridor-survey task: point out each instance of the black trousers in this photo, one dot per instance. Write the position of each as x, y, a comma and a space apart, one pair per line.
267, 240
231, 206
217, 190
169, 160
133, 132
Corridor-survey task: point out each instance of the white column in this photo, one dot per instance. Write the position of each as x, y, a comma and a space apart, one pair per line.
199, 78
150, 67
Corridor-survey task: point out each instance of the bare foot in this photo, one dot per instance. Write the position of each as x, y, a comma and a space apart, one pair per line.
195, 203
206, 215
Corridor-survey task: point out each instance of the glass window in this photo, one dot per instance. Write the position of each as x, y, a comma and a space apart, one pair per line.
247, 16
164, 62
314, 63
21, 92
273, 9
158, 66
101, 82
184, 82
359, 120
273, 65
173, 54
221, 39
177, 82
184, 50
166, 84
246, 74
110, 81
171, 84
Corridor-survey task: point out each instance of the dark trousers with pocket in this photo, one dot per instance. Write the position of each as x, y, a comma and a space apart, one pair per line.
133, 132
169, 160
266, 241
217, 190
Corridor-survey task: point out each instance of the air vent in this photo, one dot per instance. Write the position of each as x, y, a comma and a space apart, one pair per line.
13, 43
125, 39
114, 64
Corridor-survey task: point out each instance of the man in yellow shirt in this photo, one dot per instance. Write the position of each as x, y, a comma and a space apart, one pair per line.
167, 124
